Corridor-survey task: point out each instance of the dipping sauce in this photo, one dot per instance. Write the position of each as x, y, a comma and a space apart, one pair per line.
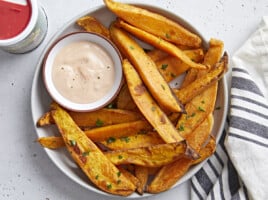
83, 72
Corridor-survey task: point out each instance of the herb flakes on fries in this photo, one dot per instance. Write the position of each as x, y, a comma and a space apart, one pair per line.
152, 130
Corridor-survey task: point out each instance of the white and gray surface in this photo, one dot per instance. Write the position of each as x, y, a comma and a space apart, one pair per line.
26, 172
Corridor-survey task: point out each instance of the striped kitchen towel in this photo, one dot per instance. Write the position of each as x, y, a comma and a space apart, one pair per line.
239, 167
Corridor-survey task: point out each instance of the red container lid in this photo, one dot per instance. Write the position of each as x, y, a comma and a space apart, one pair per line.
14, 17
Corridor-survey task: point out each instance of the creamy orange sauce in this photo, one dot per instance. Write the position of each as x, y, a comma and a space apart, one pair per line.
83, 72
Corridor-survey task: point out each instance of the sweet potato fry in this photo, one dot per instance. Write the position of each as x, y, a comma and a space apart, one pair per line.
111, 132
91, 24
98, 118
171, 67
160, 44
151, 156
129, 176
104, 117
124, 100
142, 139
148, 106
202, 105
206, 151
214, 53
195, 54
91, 160
193, 89
179, 168
51, 142
154, 23
196, 139
164, 179
142, 174
157, 54
107, 134
197, 111
190, 76
169, 174
189, 126
45, 119
156, 84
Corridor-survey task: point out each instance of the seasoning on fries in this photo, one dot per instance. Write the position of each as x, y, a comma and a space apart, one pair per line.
152, 129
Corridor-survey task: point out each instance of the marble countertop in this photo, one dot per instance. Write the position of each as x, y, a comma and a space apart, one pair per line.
26, 172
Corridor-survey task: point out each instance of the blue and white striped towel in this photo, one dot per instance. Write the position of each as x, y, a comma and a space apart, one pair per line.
239, 167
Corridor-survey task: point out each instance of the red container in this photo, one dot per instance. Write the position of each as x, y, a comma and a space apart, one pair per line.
23, 26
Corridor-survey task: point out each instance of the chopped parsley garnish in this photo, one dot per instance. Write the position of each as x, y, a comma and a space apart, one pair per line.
72, 142
118, 174
189, 116
153, 108
99, 123
131, 47
201, 109
118, 181
109, 186
193, 114
97, 177
126, 139
164, 66
181, 127
110, 140
163, 87
167, 36
86, 153
120, 156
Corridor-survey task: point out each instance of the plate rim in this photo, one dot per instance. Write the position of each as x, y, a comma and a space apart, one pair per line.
38, 70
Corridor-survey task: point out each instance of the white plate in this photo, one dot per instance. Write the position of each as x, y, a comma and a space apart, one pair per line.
40, 101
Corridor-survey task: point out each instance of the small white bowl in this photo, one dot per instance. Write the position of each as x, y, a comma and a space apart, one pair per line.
103, 42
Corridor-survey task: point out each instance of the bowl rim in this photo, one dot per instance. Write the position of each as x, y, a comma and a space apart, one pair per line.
109, 97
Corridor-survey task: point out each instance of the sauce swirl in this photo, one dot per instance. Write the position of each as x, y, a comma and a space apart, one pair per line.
83, 72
